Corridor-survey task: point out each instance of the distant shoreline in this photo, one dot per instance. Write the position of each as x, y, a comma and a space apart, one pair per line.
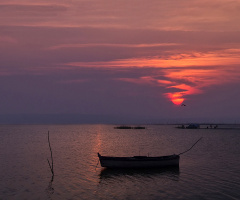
202, 125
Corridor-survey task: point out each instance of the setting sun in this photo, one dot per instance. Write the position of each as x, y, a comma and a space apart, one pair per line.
176, 98
177, 101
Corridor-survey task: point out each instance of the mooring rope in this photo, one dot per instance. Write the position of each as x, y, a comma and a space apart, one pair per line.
191, 147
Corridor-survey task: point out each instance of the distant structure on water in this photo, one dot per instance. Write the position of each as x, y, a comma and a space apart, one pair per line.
190, 126
129, 127
208, 126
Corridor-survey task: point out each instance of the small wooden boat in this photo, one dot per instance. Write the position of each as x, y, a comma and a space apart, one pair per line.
142, 161
139, 161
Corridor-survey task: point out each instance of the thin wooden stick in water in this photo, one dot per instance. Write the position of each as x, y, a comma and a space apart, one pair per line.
51, 166
191, 147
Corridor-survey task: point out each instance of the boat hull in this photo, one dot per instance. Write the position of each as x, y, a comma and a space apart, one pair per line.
139, 161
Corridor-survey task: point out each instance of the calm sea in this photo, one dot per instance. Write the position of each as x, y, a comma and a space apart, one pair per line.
209, 171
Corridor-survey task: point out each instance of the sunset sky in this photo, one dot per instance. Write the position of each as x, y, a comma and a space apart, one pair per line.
136, 60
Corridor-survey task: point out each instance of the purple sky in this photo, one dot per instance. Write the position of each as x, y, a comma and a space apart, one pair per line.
136, 59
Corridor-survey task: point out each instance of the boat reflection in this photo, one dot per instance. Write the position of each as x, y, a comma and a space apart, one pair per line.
170, 172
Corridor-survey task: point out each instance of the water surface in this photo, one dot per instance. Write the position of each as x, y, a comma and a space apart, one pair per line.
209, 171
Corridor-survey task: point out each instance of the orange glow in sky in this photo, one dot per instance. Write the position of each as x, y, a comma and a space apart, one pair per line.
178, 60
186, 73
